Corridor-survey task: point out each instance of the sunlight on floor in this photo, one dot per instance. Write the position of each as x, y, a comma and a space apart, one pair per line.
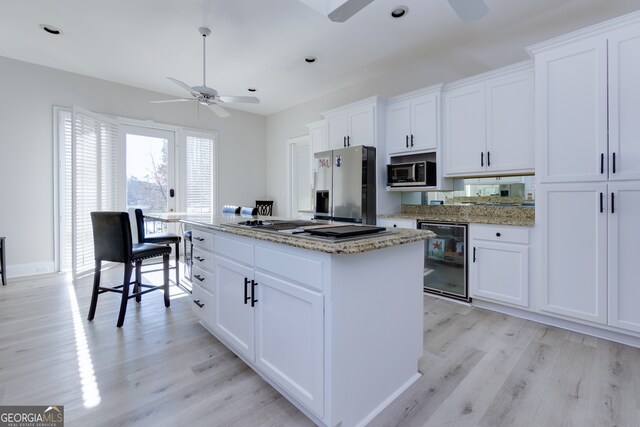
90, 392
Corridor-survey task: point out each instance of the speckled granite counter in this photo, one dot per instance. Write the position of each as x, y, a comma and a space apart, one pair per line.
500, 215
394, 236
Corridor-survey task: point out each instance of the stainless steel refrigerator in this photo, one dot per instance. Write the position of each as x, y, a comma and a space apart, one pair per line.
345, 184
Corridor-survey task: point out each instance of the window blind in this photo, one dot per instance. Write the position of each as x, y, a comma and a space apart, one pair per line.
200, 172
94, 165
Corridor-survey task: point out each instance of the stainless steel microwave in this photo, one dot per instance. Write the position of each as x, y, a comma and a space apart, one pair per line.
413, 174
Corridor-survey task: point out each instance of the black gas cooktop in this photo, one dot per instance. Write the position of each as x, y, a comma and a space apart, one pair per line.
315, 230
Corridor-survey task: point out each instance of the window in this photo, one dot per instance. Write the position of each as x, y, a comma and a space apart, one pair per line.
200, 165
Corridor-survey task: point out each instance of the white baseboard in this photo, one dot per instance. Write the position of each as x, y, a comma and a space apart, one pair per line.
19, 270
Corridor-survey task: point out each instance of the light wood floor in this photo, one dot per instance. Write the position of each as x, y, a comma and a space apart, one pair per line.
162, 368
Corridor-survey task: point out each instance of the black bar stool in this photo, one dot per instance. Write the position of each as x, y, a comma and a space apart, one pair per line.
112, 242
3, 266
158, 239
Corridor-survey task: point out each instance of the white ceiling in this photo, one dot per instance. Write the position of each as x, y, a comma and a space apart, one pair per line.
263, 43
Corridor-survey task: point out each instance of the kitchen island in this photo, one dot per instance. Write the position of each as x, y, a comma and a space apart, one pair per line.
336, 327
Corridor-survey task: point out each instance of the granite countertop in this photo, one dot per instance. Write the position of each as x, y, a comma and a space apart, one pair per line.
499, 215
394, 236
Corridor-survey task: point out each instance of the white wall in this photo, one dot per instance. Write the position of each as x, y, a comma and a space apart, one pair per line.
27, 95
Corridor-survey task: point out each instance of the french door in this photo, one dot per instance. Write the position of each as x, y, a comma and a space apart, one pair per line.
149, 168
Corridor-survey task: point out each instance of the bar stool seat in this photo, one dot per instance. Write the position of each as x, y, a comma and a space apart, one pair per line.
265, 207
112, 242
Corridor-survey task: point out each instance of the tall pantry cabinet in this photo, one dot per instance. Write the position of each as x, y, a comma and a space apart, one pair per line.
588, 170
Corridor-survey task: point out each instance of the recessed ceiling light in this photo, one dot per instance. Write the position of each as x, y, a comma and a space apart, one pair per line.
51, 29
399, 11
252, 89
310, 59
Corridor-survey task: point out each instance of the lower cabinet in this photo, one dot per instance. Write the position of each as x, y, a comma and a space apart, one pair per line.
499, 263
233, 311
275, 323
289, 338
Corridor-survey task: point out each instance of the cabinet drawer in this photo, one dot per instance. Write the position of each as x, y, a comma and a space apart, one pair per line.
202, 278
234, 249
202, 305
300, 269
395, 222
202, 239
500, 233
202, 259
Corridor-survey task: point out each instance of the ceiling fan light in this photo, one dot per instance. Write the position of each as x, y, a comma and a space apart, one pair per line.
399, 11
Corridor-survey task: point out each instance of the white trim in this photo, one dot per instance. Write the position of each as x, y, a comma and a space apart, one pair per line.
361, 103
30, 269
592, 31
303, 139
437, 88
498, 72
628, 338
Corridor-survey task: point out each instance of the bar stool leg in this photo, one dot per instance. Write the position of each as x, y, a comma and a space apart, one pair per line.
125, 293
165, 274
3, 266
177, 263
137, 288
96, 288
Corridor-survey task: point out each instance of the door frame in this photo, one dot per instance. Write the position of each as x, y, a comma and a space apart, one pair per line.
291, 142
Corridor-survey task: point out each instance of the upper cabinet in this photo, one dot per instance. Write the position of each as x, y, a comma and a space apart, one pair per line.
354, 124
413, 121
488, 122
588, 104
319, 138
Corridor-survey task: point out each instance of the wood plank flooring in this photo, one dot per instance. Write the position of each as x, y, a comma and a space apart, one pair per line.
162, 368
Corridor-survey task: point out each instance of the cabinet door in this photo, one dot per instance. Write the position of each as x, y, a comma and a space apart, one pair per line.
499, 272
465, 133
233, 315
574, 250
624, 104
319, 140
290, 339
571, 112
338, 127
398, 127
624, 235
424, 122
510, 117
362, 126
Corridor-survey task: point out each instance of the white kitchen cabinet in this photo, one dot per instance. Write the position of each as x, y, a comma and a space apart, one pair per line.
571, 112
574, 250
233, 311
588, 101
202, 276
397, 223
413, 122
499, 263
489, 123
624, 103
353, 124
290, 338
319, 137
624, 235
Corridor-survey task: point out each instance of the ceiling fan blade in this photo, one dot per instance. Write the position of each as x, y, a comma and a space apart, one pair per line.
171, 100
221, 112
184, 86
245, 99
469, 10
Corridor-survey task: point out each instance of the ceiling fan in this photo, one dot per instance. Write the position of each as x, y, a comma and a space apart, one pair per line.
341, 10
204, 95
